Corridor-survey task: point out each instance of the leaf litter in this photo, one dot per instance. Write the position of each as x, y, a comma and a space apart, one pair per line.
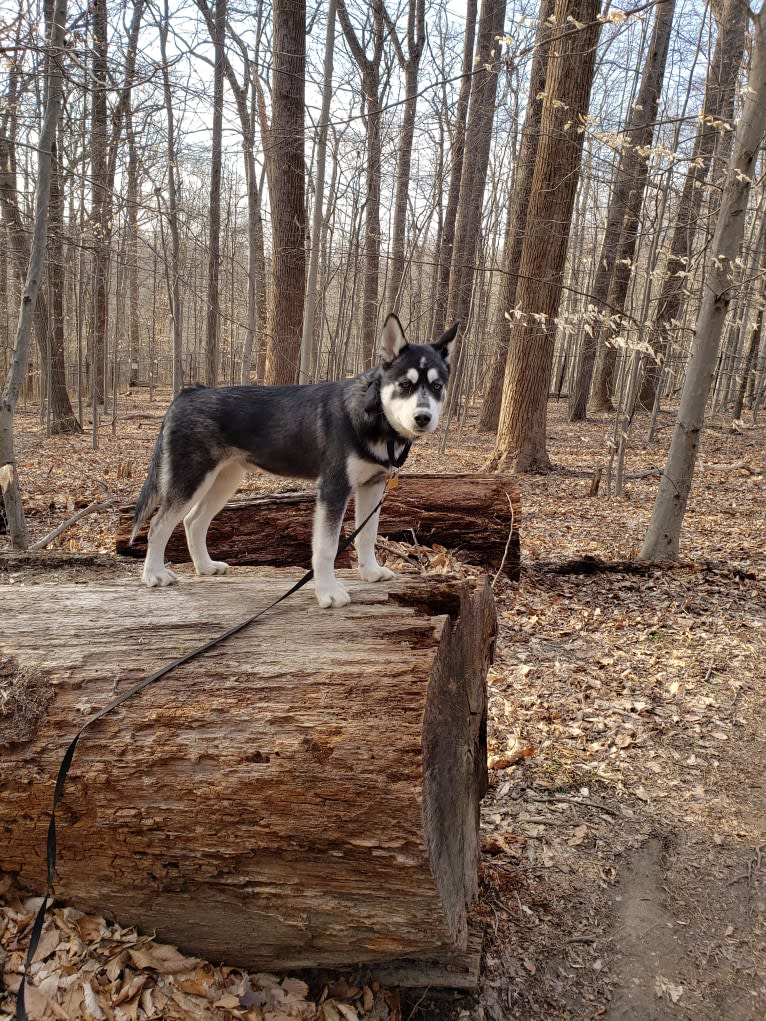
624, 707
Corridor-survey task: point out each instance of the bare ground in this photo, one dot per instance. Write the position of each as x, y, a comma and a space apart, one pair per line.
624, 865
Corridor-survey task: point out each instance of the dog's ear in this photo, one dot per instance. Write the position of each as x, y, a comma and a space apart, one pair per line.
445, 345
392, 339
372, 397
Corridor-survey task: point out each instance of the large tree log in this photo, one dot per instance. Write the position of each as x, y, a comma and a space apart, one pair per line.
304, 794
476, 516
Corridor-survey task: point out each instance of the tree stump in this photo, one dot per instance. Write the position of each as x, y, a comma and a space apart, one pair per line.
475, 516
305, 794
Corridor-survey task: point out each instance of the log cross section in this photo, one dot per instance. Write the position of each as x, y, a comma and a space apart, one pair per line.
306, 794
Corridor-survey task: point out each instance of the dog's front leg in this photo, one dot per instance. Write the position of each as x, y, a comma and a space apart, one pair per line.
328, 518
367, 497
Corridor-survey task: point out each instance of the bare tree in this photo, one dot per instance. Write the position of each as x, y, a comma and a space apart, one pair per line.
478, 138
715, 116
174, 289
410, 64
370, 71
49, 332
309, 315
287, 187
518, 201
622, 225
55, 18
663, 533
457, 150
216, 159
521, 438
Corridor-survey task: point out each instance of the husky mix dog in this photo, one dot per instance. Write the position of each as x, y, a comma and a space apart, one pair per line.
344, 434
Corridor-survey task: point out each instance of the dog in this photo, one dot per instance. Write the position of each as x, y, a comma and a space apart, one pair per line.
346, 435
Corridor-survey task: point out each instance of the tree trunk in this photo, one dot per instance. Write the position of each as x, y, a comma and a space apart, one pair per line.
664, 531
287, 186
212, 356
101, 200
370, 69
62, 417
521, 438
718, 107
174, 289
312, 295
517, 219
55, 17
426, 509
306, 794
410, 64
478, 138
457, 154
621, 233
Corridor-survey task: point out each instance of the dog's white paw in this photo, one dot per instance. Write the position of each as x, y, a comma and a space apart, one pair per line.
212, 567
159, 578
374, 572
332, 595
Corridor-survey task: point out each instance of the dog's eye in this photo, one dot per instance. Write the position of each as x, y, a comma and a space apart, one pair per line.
406, 386
437, 387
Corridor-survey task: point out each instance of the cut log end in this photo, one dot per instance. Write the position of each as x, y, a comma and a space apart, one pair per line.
304, 795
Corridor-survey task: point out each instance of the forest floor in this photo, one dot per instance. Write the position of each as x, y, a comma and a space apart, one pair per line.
624, 834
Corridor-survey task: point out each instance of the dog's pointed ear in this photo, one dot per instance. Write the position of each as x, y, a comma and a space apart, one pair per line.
445, 345
392, 339
372, 397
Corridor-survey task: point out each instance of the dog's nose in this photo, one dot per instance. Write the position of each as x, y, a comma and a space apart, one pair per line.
422, 418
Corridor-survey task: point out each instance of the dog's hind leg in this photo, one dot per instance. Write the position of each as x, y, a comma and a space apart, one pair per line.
328, 518
367, 496
197, 521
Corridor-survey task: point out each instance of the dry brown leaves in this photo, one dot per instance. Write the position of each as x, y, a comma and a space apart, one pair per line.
623, 706
88, 968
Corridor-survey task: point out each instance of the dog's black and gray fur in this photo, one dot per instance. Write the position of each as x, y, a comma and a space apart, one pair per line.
337, 433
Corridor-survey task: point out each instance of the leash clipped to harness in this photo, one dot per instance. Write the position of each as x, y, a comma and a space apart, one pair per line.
395, 463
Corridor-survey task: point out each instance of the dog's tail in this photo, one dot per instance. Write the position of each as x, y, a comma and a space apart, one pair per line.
149, 497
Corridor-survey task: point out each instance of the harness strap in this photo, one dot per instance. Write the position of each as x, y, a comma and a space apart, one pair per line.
66, 761
395, 461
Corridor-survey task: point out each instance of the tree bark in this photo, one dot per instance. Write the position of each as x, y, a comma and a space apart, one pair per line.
287, 187
717, 108
306, 794
62, 417
597, 359
370, 70
521, 438
175, 296
663, 533
101, 200
212, 357
478, 138
427, 509
55, 15
312, 295
410, 64
517, 219
457, 154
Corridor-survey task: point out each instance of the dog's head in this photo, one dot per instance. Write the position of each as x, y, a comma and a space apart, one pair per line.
413, 379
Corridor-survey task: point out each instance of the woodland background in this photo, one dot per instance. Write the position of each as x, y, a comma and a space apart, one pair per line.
228, 192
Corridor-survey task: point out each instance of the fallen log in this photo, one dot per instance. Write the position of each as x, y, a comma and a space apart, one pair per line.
474, 516
305, 794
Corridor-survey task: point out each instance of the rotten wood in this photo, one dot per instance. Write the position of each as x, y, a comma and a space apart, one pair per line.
475, 516
305, 794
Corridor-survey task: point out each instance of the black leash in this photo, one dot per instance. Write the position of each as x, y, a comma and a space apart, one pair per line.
395, 463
